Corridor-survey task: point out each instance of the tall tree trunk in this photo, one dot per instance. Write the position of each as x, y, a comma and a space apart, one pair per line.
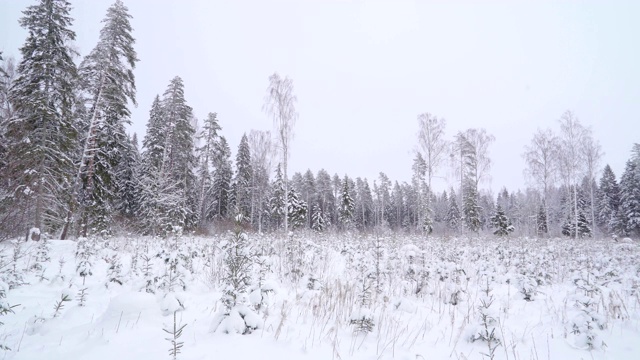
286, 193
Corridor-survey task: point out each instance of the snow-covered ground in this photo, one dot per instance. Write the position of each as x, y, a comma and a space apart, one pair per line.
324, 297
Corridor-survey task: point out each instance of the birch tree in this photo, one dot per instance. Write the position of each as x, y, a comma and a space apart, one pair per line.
592, 153
433, 147
571, 159
280, 104
541, 157
261, 148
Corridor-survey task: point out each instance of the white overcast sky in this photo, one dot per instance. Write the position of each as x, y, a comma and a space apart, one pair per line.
363, 71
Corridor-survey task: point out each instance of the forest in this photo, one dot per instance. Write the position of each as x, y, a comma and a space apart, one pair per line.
170, 246
69, 167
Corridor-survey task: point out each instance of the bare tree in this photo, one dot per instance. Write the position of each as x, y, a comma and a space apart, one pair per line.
280, 105
262, 149
541, 157
571, 159
479, 140
433, 147
592, 153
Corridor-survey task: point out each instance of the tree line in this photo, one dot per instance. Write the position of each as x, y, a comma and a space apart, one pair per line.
68, 167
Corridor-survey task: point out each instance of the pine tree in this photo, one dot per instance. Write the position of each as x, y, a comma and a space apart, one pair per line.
243, 178
608, 202
109, 84
501, 223
629, 211
42, 136
346, 205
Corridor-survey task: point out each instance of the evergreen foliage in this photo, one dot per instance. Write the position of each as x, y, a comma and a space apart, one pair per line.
108, 84
346, 205
629, 211
41, 139
608, 202
501, 223
243, 178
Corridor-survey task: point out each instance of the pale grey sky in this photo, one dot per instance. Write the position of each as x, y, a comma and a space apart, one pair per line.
364, 70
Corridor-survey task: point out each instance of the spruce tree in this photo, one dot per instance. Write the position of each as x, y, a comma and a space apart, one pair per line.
308, 191
207, 154
297, 210
470, 208
178, 158
168, 184
324, 192
128, 180
276, 200
108, 84
243, 178
7, 73
346, 205
541, 220
152, 185
629, 211
501, 223
319, 222
608, 201
364, 204
453, 212
221, 189
42, 136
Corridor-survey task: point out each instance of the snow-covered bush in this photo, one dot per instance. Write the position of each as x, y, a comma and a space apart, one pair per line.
236, 316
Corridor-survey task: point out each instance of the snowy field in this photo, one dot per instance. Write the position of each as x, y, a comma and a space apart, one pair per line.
322, 297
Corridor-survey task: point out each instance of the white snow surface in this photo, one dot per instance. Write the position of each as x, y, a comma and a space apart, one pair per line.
546, 299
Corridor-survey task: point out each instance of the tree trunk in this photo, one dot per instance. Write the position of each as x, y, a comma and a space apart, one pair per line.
286, 193
575, 207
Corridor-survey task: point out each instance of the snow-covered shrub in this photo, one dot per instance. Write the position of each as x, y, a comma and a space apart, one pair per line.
150, 279
5, 308
13, 274
59, 305
42, 254
362, 319
173, 278
114, 272
262, 286
236, 316
175, 333
488, 319
84, 253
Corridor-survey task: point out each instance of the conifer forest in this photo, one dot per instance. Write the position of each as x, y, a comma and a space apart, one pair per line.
178, 243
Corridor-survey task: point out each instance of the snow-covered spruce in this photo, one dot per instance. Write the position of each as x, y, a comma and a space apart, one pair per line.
236, 316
